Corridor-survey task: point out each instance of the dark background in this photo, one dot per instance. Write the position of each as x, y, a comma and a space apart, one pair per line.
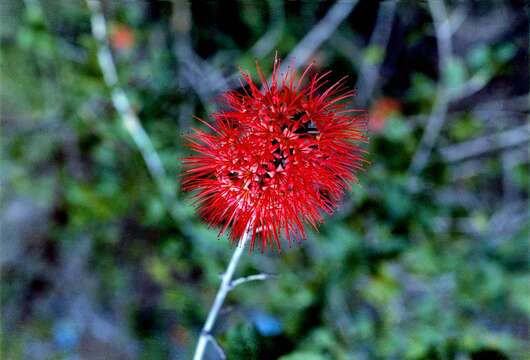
103, 257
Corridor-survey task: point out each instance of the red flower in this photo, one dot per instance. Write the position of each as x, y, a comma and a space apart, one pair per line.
121, 37
381, 110
277, 158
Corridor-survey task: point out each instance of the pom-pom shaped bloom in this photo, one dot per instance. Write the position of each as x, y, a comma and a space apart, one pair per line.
279, 156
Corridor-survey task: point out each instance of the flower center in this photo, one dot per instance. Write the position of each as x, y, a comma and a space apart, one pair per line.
297, 139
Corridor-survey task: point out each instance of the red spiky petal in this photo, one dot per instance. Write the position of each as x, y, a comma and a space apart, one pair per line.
278, 158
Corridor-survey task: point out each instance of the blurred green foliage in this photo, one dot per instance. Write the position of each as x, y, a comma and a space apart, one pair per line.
97, 263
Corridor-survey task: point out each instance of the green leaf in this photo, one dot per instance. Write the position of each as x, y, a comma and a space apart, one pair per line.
374, 54
454, 74
303, 355
479, 57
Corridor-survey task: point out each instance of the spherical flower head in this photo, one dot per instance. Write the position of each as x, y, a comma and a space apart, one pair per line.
278, 158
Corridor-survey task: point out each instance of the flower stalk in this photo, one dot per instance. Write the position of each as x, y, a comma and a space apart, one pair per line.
224, 289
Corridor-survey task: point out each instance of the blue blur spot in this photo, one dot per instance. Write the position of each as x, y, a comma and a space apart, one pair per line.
266, 324
65, 334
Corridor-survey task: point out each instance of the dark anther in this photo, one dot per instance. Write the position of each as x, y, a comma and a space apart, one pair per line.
232, 175
312, 128
301, 129
307, 128
279, 162
298, 115
325, 195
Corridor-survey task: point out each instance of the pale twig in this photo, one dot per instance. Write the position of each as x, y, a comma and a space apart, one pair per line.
369, 73
457, 18
128, 117
441, 104
485, 144
507, 220
444, 26
220, 297
318, 34
475, 166
121, 103
268, 41
245, 279
504, 222
217, 347
519, 104
348, 47
510, 190
197, 74
476, 83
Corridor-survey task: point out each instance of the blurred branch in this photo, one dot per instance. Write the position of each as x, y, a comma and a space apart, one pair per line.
318, 34
128, 117
507, 220
444, 26
479, 146
204, 79
224, 289
510, 191
369, 73
227, 285
121, 103
475, 166
348, 48
476, 83
245, 279
457, 196
518, 105
436, 119
457, 18
268, 41
217, 347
